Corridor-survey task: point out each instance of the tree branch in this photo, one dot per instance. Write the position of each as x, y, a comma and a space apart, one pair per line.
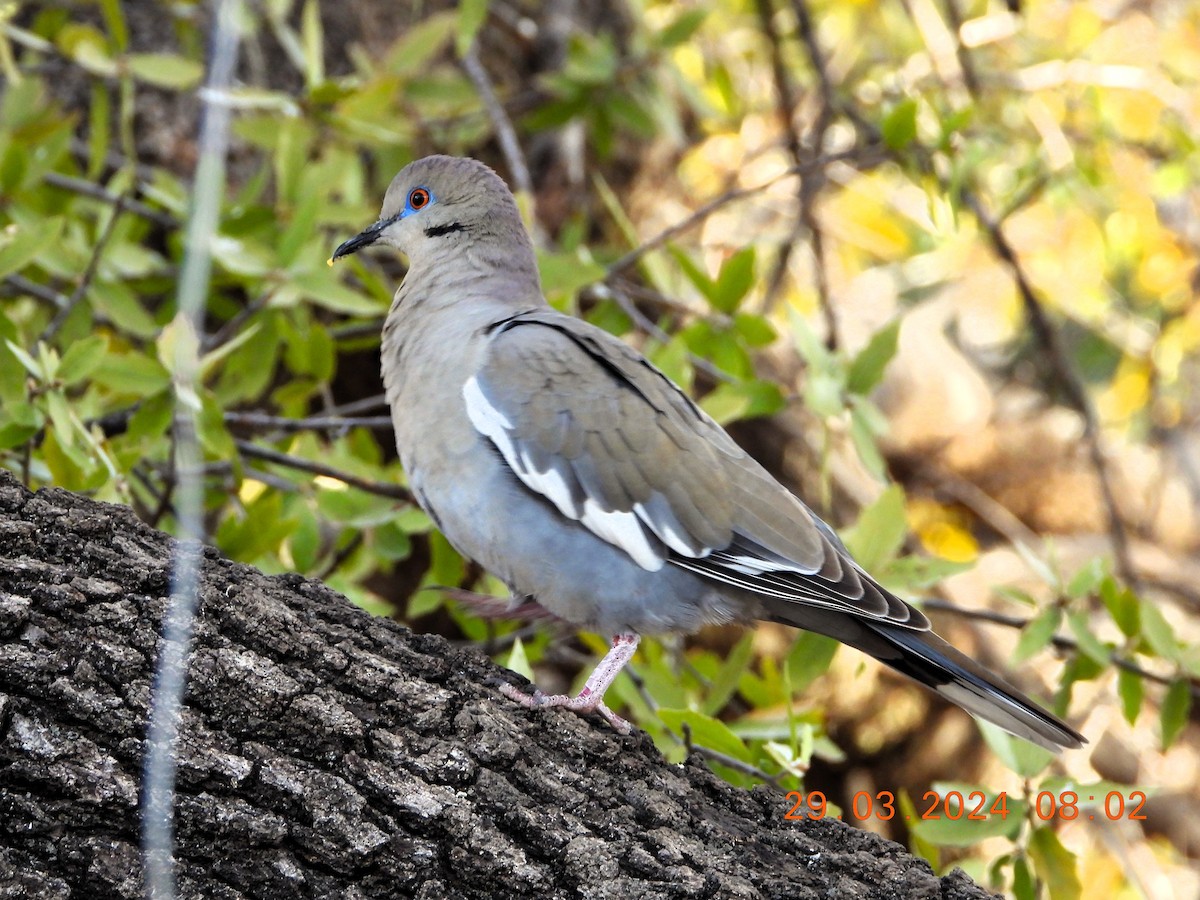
326, 753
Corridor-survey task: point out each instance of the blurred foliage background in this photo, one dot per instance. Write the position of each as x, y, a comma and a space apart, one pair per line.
933, 261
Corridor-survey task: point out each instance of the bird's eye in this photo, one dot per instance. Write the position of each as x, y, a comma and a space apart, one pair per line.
418, 198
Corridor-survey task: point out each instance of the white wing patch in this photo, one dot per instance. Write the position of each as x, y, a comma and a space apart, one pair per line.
751, 565
622, 529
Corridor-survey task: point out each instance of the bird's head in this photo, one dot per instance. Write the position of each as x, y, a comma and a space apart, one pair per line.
440, 200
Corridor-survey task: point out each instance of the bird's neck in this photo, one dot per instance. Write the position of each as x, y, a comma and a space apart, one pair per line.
478, 279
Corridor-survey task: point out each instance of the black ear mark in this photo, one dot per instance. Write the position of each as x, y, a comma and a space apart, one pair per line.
439, 230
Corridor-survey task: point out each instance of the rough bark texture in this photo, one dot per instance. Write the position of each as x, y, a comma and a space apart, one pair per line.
326, 753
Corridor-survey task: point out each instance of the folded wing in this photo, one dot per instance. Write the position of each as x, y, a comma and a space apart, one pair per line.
591, 426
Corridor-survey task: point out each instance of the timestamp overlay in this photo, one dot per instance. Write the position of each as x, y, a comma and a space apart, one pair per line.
971, 806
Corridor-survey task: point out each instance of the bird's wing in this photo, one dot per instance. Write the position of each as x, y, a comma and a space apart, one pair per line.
590, 425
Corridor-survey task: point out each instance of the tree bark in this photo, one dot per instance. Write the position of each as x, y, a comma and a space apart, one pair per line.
326, 753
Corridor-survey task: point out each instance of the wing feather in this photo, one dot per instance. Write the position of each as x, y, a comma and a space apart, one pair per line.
585, 422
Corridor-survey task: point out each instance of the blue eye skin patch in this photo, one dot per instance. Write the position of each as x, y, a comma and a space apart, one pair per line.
371, 233
409, 209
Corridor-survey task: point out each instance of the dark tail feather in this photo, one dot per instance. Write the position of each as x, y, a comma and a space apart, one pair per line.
926, 658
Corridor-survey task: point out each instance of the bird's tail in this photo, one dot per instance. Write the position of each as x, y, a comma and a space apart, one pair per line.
926, 658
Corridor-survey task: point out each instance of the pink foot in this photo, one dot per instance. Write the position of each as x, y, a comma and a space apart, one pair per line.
592, 695
579, 704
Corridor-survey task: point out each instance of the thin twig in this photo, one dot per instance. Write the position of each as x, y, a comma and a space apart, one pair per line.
809, 187
22, 285
89, 273
369, 329
785, 104
1060, 642
995, 514
1048, 337
602, 291
366, 404
336, 560
233, 326
965, 63
505, 133
262, 421
730, 762
96, 192
246, 448
865, 157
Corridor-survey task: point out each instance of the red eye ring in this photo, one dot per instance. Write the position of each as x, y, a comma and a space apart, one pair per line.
418, 198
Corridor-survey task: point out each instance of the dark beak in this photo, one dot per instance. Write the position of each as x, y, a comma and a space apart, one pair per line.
364, 238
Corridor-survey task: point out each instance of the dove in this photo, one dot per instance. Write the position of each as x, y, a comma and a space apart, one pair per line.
560, 459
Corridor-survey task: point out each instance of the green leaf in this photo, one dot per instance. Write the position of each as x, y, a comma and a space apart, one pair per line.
940, 829
1026, 759
60, 416
1131, 690
913, 574
808, 659
12, 378
755, 330
14, 434
696, 275
31, 365
1176, 705
420, 43
321, 287
354, 507
121, 306
868, 366
446, 567
471, 16
1087, 580
241, 257
1055, 865
82, 359
565, 273
745, 400
1088, 642
863, 435
165, 70
213, 358
823, 393
899, 126
20, 243
1037, 633
314, 41
304, 543
1158, 632
392, 542
734, 281
518, 661
211, 430
681, 28
706, 732
87, 46
1024, 886
65, 471
879, 533
258, 531
725, 681
131, 373
153, 417
1122, 605
725, 404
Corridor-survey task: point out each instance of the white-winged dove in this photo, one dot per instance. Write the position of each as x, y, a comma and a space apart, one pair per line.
570, 467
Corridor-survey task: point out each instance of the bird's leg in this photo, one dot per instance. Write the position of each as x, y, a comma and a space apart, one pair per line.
592, 695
